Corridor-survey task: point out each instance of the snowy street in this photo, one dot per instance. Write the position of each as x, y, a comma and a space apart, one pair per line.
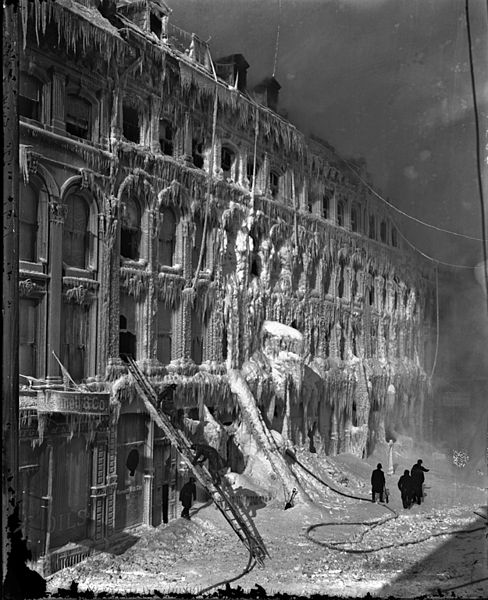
189, 556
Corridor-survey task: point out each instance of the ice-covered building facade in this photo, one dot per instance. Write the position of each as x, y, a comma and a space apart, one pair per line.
169, 213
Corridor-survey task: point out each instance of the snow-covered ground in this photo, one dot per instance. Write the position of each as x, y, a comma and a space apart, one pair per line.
185, 556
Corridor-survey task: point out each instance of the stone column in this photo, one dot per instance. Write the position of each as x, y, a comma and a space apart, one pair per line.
182, 314
148, 472
57, 215
334, 433
154, 126
58, 123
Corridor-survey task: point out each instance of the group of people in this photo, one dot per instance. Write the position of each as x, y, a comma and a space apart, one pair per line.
410, 484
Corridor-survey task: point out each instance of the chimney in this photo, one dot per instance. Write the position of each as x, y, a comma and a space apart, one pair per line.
267, 93
233, 68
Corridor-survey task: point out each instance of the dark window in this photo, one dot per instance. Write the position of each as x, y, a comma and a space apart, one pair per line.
75, 339
326, 206
75, 233
227, 160
132, 461
166, 136
27, 338
166, 240
127, 340
197, 154
78, 117
196, 338
28, 223
274, 183
155, 25
354, 219
372, 227
130, 233
371, 293
164, 334
383, 232
394, 237
340, 214
29, 97
340, 288
130, 124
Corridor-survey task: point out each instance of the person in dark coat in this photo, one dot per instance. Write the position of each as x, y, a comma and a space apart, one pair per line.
405, 486
188, 493
378, 482
205, 452
418, 478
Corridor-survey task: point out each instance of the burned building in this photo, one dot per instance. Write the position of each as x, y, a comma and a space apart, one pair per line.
169, 213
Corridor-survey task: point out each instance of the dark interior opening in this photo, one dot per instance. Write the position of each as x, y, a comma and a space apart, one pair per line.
130, 124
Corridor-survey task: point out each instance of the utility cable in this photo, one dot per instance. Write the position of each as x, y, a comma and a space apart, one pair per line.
478, 149
398, 210
250, 566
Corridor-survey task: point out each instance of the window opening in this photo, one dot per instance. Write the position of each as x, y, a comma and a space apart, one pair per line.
27, 337
132, 461
249, 172
394, 237
166, 137
166, 240
155, 25
130, 124
127, 340
197, 245
227, 161
340, 289
75, 232
274, 183
340, 214
29, 97
196, 338
354, 219
28, 223
197, 154
383, 232
165, 318
372, 227
326, 206
130, 233
78, 116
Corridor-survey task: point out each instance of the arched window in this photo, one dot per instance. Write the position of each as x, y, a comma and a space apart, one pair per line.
383, 232
372, 227
28, 223
78, 116
165, 316
341, 212
76, 245
166, 238
130, 233
30, 95
227, 162
197, 154
354, 219
326, 206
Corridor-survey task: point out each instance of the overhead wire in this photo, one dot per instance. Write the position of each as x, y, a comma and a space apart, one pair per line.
479, 176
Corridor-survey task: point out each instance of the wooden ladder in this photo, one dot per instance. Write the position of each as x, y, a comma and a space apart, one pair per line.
221, 493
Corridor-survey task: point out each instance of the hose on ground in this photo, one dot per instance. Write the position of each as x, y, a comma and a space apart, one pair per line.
338, 546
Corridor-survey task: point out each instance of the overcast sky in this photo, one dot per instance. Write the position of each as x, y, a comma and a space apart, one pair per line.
384, 79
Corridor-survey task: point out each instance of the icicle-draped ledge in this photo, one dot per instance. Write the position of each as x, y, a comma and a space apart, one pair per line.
76, 24
170, 287
134, 281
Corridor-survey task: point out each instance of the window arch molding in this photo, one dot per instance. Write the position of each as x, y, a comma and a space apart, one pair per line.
78, 92
231, 170
73, 187
43, 77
